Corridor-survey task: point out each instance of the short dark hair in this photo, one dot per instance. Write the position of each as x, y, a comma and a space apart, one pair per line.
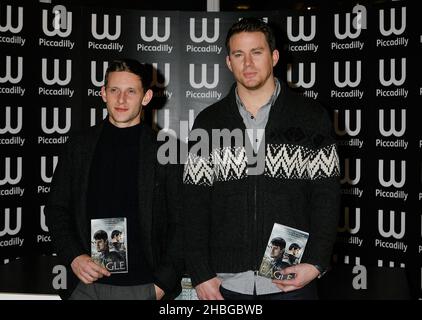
132, 66
115, 233
294, 246
251, 24
100, 235
278, 241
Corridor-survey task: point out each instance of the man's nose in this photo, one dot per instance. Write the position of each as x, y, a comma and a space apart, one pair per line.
248, 60
122, 97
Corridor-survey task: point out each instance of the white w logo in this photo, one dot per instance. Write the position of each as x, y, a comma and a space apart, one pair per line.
94, 80
203, 82
393, 79
346, 226
392, 181
94, 115
8, 25
55, 127
155, 35
7, 229
204, 36
62, 20
42, 220
347, 81
301, 76
8, 76
392, 130
347, 178
347, 125
393, 28
106, 33
7, 172
301, 32
56, 72
391, 232
155, 71
44, 177
347, 32
8, 121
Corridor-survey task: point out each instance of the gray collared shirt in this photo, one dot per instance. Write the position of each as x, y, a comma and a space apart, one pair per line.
255, 125
246, 282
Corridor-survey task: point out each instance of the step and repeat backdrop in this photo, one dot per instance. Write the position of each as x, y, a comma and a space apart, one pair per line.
362, 63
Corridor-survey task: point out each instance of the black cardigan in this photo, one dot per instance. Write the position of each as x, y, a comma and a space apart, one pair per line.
229, 214
159, 208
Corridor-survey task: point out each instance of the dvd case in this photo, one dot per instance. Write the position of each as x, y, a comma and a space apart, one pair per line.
108, 245
285, 248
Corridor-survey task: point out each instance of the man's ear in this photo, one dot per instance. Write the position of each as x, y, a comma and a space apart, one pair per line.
103, 94
229, 63
147, 97
276, 57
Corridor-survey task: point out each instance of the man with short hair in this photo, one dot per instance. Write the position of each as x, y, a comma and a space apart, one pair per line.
117, 240
278, 246
285, 170
111, 171
293, 254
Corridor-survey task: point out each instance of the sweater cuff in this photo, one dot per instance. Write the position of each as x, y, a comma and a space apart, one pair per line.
199, 271
71, 253
165, 277
314, 261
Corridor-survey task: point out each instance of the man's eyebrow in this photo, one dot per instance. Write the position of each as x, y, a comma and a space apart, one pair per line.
253, 49
236, 51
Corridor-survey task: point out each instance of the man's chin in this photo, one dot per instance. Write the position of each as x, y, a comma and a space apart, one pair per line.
252, 85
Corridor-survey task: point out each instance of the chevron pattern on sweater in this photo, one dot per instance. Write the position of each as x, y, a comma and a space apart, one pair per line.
230, 163
324, 163
282, 161
296, 162
198, 171
287, 161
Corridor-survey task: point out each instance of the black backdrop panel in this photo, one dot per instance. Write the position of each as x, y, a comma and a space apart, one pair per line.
361, 63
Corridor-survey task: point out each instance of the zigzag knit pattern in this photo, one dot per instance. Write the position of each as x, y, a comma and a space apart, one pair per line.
198, 171
230, 163
282, 161
296, 162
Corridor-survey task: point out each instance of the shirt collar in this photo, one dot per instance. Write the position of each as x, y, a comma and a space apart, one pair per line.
270, 102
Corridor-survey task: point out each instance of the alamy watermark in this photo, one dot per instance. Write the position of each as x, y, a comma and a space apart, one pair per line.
207, 143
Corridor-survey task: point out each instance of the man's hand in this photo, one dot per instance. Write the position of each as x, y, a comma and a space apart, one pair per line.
159, 293
305, 273
87, 270
209, 290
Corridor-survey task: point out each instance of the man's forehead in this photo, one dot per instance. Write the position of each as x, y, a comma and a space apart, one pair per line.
247, 41
244, 37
